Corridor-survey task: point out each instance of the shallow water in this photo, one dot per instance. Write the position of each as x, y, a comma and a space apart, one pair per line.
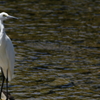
57, 46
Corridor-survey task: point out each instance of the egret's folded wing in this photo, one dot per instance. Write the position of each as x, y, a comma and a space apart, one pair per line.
11, 57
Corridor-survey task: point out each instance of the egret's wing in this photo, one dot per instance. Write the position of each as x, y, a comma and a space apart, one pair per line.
11, 57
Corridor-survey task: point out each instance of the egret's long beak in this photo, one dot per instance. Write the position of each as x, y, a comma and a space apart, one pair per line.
12, 17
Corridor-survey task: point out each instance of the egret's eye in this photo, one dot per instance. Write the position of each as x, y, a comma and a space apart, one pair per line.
4, 15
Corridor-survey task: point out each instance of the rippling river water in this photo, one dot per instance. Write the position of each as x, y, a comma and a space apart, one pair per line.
57, 46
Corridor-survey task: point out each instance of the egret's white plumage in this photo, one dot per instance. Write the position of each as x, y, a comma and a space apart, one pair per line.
7, 55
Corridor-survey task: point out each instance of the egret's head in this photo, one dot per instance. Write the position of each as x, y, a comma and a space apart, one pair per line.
4, 16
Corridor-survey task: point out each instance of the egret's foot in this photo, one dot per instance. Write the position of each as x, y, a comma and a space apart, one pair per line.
4, 96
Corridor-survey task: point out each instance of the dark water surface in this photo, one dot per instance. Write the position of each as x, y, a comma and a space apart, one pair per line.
57, 46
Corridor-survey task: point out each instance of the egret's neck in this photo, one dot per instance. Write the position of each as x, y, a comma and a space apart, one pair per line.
2, 28
2, 33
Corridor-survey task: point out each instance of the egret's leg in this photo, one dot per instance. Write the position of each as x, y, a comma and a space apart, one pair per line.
3, 78
7, 84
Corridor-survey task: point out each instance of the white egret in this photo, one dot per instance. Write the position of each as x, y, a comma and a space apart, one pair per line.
7, 54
